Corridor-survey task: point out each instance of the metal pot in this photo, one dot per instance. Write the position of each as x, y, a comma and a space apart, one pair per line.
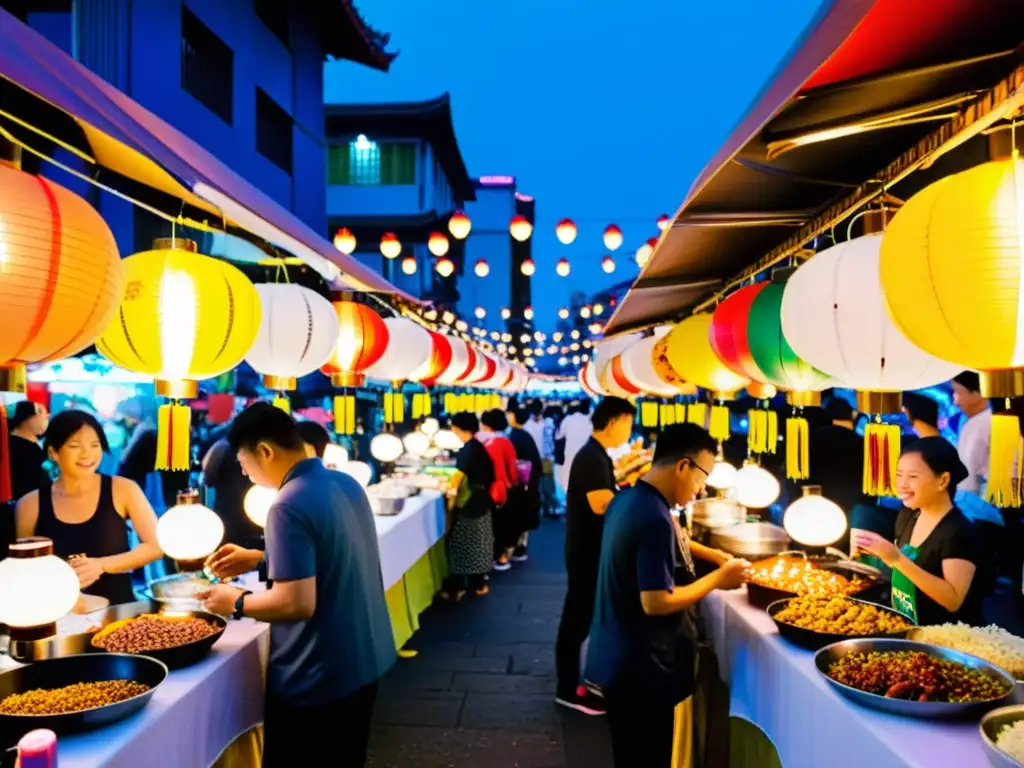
753, 541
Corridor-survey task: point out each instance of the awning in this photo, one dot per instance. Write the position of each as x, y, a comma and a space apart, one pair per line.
131, 141
866, 81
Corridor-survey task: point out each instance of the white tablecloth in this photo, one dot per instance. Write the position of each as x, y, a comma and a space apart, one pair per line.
776, 686
404, 538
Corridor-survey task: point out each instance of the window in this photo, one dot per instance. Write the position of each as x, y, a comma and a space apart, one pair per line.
207, 66
273, 132
274, 15
366, 162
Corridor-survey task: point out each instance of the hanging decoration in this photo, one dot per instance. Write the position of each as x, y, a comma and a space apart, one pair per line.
565, 231
638, 367
345, 241
643, 253
445, 267
390, 246
482, 268
587, 377
409, 265
612, 237
480, 313
562, 268
297, 333
459, 225
834, 316
662, 222
362, 340
961, 241
608, 265
528, 313
184, 317
437, 244
528, 267
729, 335
520, 228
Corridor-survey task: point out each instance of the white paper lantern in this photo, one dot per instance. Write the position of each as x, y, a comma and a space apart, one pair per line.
335, 456
298, 331
36, 587
606, 349
430, 426
638, 366
834, 316
409, 347
459, 365
723, 476
189, 531
359, 470
257, 503
756, 488
479, 369
386, 447
502, 371
416, 444
813, 520
447, 440
588, 380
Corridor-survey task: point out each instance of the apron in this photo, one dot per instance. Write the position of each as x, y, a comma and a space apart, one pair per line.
904, 593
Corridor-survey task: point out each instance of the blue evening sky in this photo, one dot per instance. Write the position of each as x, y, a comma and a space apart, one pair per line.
604, 110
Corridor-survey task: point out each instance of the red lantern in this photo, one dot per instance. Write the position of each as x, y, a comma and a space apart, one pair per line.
608, 264
612, 237
390, 246
662, 222
643, 254
520, 228
527, 267
445, 267
728, 333
562, 268
439, 360
437, 244
619, 376
528, 313
482, 268
362, 339
345, 241
565, 231
409, 265
459, 225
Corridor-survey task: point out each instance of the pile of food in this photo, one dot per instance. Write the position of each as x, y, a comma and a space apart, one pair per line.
1011, 740
633, 465
840, 616
153, 632
802, 577
993, 644
71, 698
915, 676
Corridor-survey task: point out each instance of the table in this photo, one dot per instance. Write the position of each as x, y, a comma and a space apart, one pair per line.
776, 686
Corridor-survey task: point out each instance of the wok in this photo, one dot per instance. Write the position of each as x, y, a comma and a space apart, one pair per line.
177, 656
812, 640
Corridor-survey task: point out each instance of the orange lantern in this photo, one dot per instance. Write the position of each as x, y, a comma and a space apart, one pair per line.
409, 265
437, 244
662, 222
608, 264
482, 268
445, 267
459, 225
528, 267
362, 339
612, 237
345, 241
390, 245
562, 268
520, 228
565, 231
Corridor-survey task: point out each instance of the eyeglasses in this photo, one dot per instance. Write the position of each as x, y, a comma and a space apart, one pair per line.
698, 466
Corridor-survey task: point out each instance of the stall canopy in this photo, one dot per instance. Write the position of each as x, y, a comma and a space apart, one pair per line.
867, 80
122, 136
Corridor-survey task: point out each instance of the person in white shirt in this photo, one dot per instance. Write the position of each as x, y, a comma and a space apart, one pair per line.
575, 430
973, 441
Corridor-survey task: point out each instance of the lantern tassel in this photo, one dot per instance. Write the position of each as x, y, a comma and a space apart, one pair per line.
679, 417
649, 415
757, 435
1004, 461
697, 413
719, 424
281, 401
344, 414
773, 432
173, 451
6, 490
881, 452
798, 463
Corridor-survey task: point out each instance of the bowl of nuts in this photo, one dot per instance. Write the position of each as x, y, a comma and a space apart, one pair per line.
177, 638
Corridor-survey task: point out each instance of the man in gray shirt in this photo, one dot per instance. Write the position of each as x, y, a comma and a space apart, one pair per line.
330, 634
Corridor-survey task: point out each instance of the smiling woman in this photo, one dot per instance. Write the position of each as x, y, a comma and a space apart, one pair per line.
85, 514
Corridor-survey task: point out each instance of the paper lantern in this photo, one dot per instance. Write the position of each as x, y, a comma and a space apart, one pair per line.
189, 532
445, 267
416, 443
183, 317
528, 267
723, 475
447, 440
612, 237
729, 336
638, 367
528, 313
437, 244
390, 245
297, 332
771, 352
335, 456
643, 253
409, 347
756, 488
60, 274
482, 268
662, 222
562, 268
461, 362
520, 228
386, 447
813, 520
438, 361
37, 588
257, 503
409, 265
345, 241
459, 225
360, 471
362, 340
565, 231
615, 382
608, 264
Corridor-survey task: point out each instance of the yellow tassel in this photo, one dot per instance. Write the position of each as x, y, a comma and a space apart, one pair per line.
668, 414
428, 405
757, 435
798, 455
417, 406
697, 413
497, 402
1004, 458
773, 432
649, 414
881, 453
282, 402
719, 424
451, 403
680, 414
344, 414
174, 423
394, 408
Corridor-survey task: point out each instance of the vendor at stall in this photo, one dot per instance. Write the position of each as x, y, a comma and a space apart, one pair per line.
937, 555
86, 514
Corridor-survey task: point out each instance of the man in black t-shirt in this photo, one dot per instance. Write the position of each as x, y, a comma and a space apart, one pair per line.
591, 488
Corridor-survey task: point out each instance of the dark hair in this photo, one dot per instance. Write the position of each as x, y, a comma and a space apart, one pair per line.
314, 434
467, 422
520, 414
610, 409
262, 422
680, 441
583, 406
536, 407
968, 380
495, 419
67, 423
921, 408
23, 411
837, 409
940, 456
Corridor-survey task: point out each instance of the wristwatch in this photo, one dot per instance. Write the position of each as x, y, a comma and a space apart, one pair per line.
240, 606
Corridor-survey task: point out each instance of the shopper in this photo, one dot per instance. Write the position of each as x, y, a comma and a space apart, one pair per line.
504, 515
573, 434
27, 426
528, 492
542, 430
592, 486
330, 634
642, 650
975, 433
224, 476
923, 414
315, 437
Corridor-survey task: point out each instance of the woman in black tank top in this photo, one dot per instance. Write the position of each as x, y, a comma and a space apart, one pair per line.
86, 514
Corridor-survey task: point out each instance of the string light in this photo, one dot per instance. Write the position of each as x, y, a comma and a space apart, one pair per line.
598, 309
409, 265
562, 268
528, 313
445, 267
481, 313
525, 338
505, 313
482, 268
528, 267
390, 247
437, 244
608, 264
563, 313
585, 312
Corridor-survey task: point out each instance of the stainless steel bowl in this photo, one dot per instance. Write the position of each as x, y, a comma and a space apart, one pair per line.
824, 659
990, 726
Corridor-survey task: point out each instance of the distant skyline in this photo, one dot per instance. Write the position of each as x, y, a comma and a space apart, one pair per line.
602, 116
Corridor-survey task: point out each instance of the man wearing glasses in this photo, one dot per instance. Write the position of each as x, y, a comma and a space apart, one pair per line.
643, 638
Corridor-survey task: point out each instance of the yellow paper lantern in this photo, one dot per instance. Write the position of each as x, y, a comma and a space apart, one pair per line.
184, 317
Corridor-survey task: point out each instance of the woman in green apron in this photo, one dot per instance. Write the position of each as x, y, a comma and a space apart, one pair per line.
937, 552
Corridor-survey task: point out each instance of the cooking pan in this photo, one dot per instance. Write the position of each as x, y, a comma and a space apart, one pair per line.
813, 640
180, 655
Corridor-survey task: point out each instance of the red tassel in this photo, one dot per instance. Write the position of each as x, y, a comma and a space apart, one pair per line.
6, 491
